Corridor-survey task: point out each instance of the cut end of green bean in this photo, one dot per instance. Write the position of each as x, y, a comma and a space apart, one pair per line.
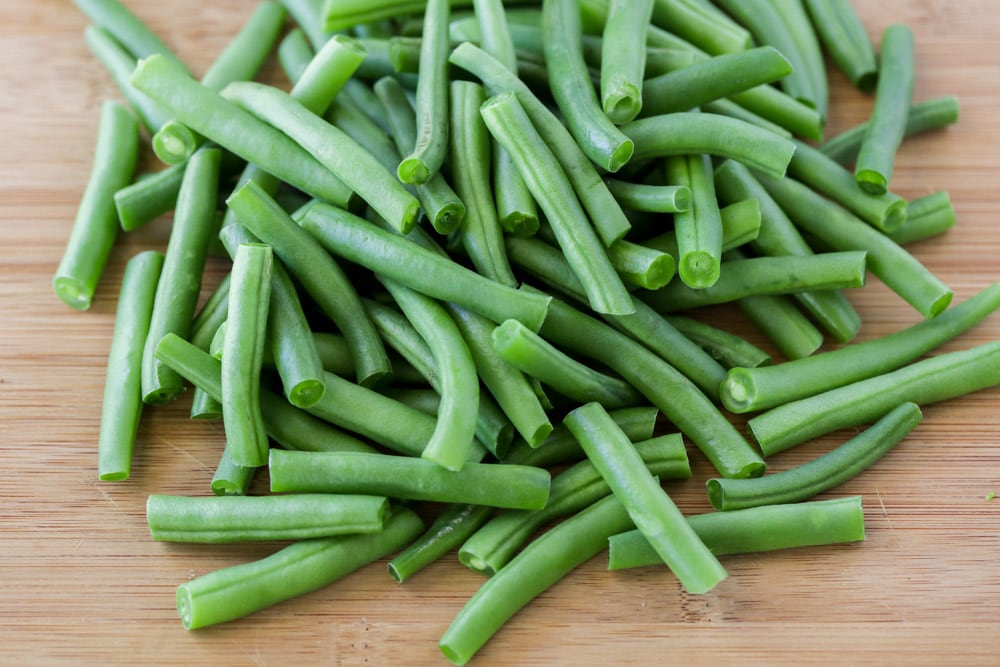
895, 216
623, 104
307, 393
225, 487
475, 563
621, 155
658, 273
413, 171
872, 181
72, 292
520, 224
737, 391
682, 199
699, 269
117, 476
449, 217
939, 305
185, 607
174, 143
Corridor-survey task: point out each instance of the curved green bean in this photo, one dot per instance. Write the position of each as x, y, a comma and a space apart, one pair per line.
845, 40
293, 348
126, 28
455, 524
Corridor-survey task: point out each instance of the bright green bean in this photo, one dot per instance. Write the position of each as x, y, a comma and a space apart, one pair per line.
702, 24
623, 58
728, 348
845, 40
96, 225
148, 197
126, 28
496, 485
699, 229
293, 347
641, 266
294, 53
741, 223
308, 565
781, 322
230, 478
926, 216
245, 53
455, 524
651, 198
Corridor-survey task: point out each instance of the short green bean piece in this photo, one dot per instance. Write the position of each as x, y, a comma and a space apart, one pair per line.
122, 404
926, 217
783, 323
292, 345
512, 128
404, 477
845, 40
825, 472
702, 24
242, 355
96, 225
731, 350
148, 197
893, 94
641, 266
294, 53
215, 520
623, 58
755, 529
304, 566
751, 389
114, 17
934, 379
699, 229
651, 198
455, 524
649, 506
327, 72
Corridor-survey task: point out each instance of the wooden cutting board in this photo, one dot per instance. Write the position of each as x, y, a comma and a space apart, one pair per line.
83, 583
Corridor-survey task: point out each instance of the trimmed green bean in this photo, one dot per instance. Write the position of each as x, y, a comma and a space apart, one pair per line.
651, 198
319, 274
926, 216
641, 266
699, 229
455, 524
96, 225
726, 107
242, 355
893, 94
846, 41
746, 390
623, 58
577, 487
741, 223
213, 520
293, 348
304, 566
245, 53
512, 128
931, 380
294, 53
729, 349
496, 485
179, 287
122, 404
230, 478
648, 505
418, 268
811, 57
126, 28
825, 472
755, 529
702, 24
149, 197
841, 230
787, 327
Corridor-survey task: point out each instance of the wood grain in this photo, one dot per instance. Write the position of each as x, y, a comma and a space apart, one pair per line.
83, 583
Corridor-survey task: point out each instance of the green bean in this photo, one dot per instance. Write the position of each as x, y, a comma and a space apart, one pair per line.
304, 566
837, 227
512, 128
893, 94
353, 121
846, 41
119, 63
825, 472
811, 57
230, 478
443, 207
699, 229
126, 28
754, 276
96, 225
541, 564
180, 280
781, 322
423, 270
648, 505
292, 345
623, 59
245, 53
213, 520
755, 529
641, 266
209, 114
496, 485
729, 349
327, 72
783, 110
242, 355
746, 389
511, 389
331, 147
779, 236
726, 107
601, 206
741, 223
885, 211
428, 152
713, 78
318, 273
701, 24
534, 356
575, 96
308, 15
688, 132
651, 198
926, 216
580, 485
294, 53
121, 407
455, 524
645, 325
931, 380
925, 116
148, 197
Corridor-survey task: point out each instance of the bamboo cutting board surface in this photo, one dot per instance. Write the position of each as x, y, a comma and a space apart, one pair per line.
83, 583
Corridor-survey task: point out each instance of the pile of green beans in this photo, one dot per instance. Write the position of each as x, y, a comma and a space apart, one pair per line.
469, 261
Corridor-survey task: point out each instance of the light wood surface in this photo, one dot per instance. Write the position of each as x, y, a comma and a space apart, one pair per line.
81, 582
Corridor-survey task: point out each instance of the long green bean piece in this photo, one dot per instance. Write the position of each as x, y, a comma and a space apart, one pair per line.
512, 128
404, 477
846, 41
319, 274
893, 94
304, 566
114, 17
180, 280
825, 472
755, 529
300, 516
751, 389
937, 378
242, 355
122, 404
648, 505
96, 225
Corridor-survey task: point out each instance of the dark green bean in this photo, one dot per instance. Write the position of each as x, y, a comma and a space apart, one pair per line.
728, 348
293, 348
845, 40
623, 58
455, 524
